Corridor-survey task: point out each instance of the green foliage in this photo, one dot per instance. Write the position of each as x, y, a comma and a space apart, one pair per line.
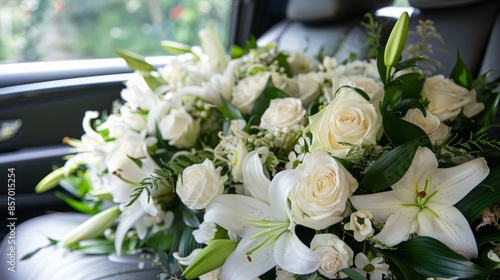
374, 33
210, 258
424, 48
171, 168
461, 74
390, 167
414, 260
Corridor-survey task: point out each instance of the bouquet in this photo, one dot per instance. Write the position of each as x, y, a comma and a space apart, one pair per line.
271, 164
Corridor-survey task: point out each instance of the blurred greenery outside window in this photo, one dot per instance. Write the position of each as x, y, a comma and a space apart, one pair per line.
54, 30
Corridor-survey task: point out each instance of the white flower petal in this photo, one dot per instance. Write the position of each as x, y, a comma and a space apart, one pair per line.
254, 179
451, 228
456, 182
240, 266
293, 256
233, 212
148, 204
422, 167
278, 192
398, 226
128, 220
384, 204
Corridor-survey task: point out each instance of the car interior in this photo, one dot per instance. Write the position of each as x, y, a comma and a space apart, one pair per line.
41, 106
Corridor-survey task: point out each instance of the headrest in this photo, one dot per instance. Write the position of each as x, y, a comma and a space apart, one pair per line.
440, 4
330, 10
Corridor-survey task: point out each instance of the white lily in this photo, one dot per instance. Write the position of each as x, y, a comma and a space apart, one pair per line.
267, 231
421, 202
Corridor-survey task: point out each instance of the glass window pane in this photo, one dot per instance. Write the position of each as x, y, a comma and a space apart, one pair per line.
51, 30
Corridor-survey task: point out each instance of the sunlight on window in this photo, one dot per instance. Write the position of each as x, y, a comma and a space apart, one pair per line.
51, 30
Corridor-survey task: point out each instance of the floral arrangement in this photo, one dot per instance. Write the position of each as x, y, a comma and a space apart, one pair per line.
271, 164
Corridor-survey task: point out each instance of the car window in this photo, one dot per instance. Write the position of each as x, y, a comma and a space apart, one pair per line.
54, 30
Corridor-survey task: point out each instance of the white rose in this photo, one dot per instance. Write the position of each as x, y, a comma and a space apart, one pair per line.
319, 200
373, 88
334, 255
179, 128
435, 129
247, 90
301, 63
199, 184
473, 108
348, 118
361, 224
283, 112
446, 98
308, 87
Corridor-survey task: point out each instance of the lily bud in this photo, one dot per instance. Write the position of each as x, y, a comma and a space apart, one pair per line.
397, 41
212, 47
92, 227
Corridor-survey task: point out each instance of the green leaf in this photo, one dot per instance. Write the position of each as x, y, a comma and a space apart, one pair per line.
409, 63
382, 69
190, 217
352, 274
461, 74
408, 103
175, 48
413, 83
229, 111
481, 197
160, 240
137, 161
397, 41
393, 93
78, 205
357, 90
283, 63
429, 257
485, 237
153, 79
135, 61
210, 258
269, 93
390, 167
187, 243
399, 131
484, 261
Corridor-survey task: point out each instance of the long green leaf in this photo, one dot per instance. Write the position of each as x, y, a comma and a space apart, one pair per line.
390, 167
399, 131
187, 243
461, 74
481, 197
210, 258
354, 275
135, 61
78, 205
176, 48
393, 93
429, 257
412, 84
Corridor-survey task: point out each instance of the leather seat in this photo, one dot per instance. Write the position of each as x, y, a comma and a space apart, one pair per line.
57, 263
471, 26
